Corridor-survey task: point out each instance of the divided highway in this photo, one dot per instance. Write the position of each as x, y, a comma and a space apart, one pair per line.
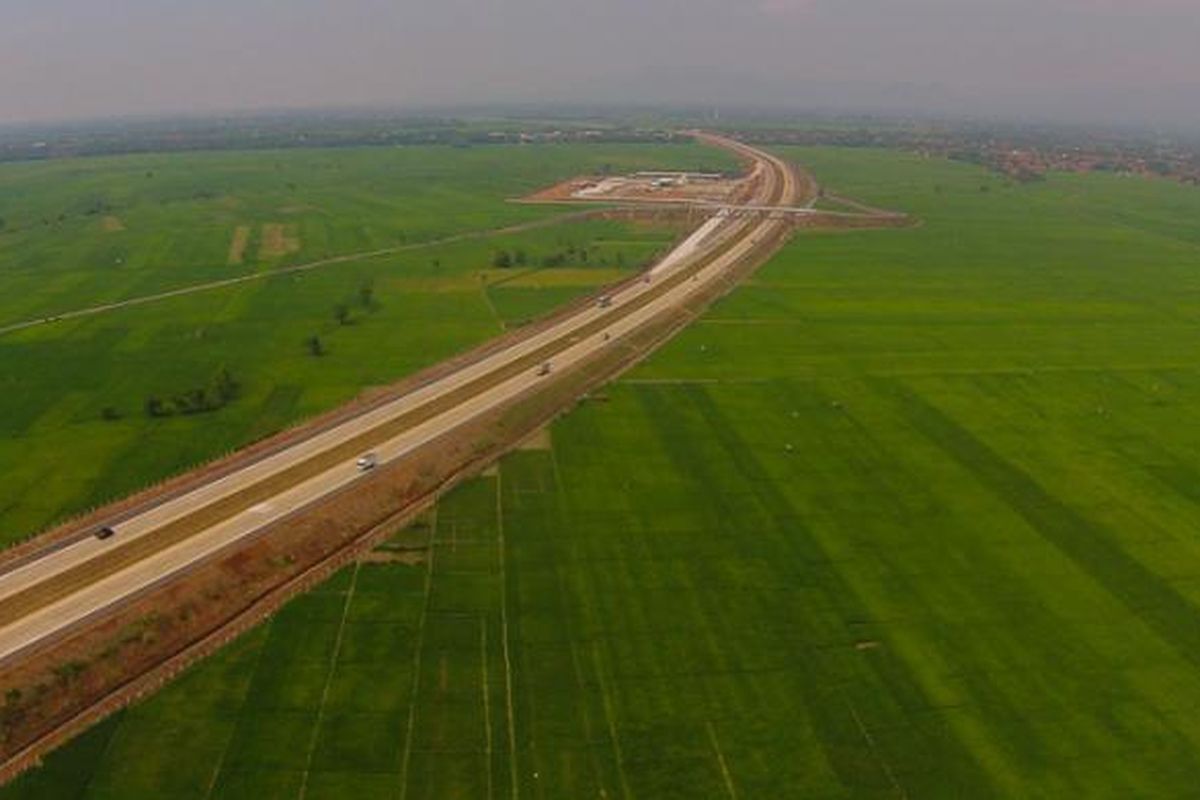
43, 596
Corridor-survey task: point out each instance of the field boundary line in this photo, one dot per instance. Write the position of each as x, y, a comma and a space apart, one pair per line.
712, 737
91, 778
333, 662
258, 657
484, 290
508, 681
417, 657
487, 711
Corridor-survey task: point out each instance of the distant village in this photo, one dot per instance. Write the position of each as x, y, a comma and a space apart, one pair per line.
1022, 155
256, 133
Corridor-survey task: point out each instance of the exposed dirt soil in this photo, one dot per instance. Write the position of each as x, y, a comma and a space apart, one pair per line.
540, 440
599, 189
410, 558
237, 246
278, 240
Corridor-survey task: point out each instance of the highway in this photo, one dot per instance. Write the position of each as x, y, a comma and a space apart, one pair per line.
62, 588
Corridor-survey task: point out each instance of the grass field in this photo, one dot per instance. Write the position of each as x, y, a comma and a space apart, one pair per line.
74, 430
908, 515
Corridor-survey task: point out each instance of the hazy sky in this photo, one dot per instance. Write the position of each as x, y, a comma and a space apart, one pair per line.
1112, 60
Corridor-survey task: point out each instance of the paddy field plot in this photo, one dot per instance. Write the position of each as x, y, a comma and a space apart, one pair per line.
910, 514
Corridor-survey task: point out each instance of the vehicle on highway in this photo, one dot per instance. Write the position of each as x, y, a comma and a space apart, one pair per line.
104, 532
366, 462
604, 302
544, 369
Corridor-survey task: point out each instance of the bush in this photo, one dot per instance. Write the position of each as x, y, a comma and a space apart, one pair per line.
221, 391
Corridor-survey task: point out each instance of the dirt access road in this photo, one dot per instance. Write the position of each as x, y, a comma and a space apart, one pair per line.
208, 286
65, 586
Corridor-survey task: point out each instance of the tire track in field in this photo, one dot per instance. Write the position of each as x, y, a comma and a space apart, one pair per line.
1090, 545
815, 687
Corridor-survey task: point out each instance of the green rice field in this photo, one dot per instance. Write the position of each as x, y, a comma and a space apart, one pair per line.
910, 514
74, 424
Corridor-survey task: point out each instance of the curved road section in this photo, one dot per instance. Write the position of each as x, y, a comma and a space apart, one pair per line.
59, 589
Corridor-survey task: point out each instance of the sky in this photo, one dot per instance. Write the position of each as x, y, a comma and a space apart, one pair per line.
1111, 61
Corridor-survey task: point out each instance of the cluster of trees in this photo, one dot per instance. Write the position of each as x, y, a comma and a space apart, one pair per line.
219, 392
343, 315
96, 207
504, 259
366, 299
571, 254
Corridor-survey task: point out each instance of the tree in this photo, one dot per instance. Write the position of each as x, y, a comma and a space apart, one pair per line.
193, 401
154, 407
341, 312
315, 347
226, 387
366, 295
519, 258
502, 260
